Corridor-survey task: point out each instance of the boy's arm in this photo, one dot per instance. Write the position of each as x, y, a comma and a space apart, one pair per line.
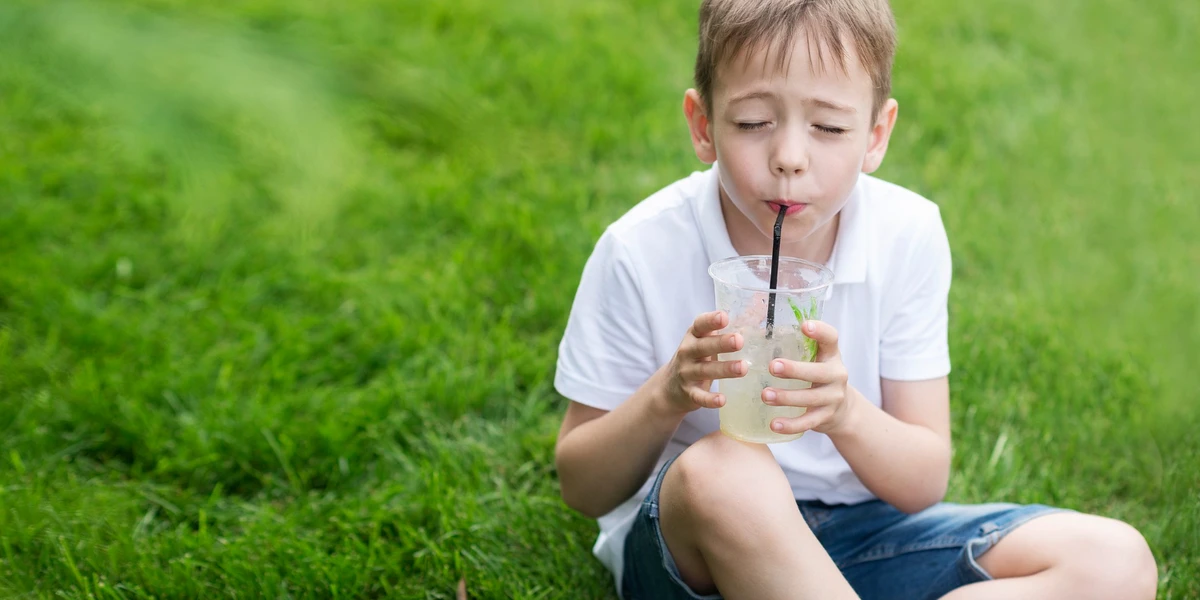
603, 457
902, 451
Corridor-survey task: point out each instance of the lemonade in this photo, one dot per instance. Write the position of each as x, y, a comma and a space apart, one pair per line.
767, 299
745, 416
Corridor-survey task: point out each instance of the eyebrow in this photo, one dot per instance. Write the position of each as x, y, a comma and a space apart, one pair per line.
762, 94
831, 105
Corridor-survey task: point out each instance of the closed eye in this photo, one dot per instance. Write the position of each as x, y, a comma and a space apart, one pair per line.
752, 126
830, 130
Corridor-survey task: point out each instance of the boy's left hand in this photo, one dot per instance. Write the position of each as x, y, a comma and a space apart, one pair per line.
826, 401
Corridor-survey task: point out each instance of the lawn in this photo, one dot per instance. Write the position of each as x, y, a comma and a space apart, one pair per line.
281, 283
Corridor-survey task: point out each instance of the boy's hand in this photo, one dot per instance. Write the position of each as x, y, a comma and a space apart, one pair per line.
826, 402
690, 373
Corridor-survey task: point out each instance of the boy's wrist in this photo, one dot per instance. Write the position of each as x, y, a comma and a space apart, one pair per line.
658, 401
856, 406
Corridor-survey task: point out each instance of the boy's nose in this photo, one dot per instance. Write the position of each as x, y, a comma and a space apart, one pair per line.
790, 169
790, 157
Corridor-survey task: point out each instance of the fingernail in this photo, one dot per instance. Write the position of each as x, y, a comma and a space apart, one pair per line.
719, 401
769, 395
741, 367
810, 326
777, 426
776, 367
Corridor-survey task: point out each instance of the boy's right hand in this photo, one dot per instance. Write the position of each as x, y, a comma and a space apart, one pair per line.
690, 373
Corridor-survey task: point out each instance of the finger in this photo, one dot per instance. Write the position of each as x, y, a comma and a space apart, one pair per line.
705, 398
813, 372
713, 369
715, 344
808, 421
807, 398
826, 337
709, 322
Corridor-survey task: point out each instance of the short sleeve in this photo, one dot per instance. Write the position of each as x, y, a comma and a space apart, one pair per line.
914, 343
606, 352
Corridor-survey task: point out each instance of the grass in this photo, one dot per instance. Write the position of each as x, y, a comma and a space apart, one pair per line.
281, 284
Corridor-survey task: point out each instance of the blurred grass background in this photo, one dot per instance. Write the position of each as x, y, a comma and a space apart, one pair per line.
281, 283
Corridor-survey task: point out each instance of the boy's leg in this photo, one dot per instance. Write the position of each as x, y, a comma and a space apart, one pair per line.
1067, 555
730, 522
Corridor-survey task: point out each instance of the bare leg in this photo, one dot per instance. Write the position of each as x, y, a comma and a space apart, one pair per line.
1067, 555
731, 522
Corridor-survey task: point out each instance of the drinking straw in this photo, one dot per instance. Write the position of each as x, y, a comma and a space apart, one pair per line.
774, 270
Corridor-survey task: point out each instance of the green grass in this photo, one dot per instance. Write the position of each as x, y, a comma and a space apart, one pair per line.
281, 283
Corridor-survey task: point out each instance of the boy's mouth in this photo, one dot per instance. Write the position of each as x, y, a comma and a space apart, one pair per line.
793, 207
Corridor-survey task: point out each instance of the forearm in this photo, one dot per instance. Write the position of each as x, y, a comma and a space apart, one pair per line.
905, 465
602, 463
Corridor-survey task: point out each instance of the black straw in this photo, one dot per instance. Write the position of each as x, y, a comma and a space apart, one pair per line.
775, 270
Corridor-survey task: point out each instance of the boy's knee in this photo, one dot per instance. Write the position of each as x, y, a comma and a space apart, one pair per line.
718, 473
1123, 564
1106, 558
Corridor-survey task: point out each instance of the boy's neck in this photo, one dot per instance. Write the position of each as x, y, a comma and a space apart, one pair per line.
747, 239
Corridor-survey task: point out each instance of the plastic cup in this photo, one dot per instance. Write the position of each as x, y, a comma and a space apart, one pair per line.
743, 290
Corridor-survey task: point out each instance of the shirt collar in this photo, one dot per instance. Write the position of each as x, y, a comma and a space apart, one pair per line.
849, 258
712, 222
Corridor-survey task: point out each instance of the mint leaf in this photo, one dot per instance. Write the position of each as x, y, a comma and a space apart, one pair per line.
809, 345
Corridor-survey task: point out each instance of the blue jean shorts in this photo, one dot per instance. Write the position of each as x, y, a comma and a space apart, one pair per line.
882, 552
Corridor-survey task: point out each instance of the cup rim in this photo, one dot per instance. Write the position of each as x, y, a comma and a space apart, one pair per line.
826, 274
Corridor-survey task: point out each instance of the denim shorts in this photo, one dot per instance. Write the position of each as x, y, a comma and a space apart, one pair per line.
882, 552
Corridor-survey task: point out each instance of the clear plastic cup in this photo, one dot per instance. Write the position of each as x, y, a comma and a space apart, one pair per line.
743, 290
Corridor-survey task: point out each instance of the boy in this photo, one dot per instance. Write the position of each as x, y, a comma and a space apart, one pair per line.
792, 108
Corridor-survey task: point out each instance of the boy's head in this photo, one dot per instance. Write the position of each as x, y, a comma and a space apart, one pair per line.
792, 97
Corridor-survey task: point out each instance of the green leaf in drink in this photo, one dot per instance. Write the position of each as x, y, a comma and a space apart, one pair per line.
810, 345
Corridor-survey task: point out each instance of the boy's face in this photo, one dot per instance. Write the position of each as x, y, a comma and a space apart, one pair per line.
797, 137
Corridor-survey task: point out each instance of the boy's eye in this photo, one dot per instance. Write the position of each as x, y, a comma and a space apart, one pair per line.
830, 130
755, 126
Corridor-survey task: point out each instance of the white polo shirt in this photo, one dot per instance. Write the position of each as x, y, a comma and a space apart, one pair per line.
647, 280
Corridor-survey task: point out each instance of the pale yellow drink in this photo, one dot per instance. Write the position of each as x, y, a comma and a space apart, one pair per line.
745, 416
769, 321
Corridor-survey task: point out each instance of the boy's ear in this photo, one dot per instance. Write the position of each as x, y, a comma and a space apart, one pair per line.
880, 134
700, 127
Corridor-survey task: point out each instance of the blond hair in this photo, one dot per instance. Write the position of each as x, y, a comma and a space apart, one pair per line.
729, 27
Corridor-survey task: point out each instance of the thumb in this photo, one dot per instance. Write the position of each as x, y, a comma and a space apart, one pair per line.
826, 337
